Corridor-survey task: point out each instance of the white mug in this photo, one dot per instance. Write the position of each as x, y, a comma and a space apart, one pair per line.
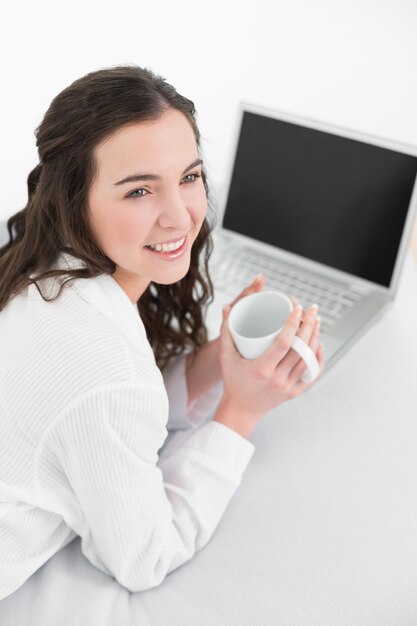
256, 320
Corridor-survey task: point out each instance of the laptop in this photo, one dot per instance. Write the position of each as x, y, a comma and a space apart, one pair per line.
325, 213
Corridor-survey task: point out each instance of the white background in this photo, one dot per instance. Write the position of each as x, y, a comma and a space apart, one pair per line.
349, 62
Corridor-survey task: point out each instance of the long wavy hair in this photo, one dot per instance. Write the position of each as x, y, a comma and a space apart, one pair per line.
54, 220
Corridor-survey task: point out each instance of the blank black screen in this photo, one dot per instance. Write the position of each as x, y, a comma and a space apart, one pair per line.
334, 200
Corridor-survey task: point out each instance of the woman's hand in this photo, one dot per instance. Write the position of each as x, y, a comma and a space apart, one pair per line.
254, 387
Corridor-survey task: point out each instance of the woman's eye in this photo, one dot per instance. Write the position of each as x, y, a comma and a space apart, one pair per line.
133, 193
193, 176
140, 193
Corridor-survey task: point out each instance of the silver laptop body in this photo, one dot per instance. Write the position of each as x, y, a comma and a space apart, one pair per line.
325, 213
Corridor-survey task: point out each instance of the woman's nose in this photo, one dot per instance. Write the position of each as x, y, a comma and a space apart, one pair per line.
174, 213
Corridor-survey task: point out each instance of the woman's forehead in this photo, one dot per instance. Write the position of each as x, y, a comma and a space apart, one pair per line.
170, 124
149, 135
167, 140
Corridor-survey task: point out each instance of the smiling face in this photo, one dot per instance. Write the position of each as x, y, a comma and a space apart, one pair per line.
148, 190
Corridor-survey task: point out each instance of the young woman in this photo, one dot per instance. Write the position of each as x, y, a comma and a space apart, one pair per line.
103, 288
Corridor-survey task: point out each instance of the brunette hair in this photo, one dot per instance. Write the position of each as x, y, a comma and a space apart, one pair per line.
55, 218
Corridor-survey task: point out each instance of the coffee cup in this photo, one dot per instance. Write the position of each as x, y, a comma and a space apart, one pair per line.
256, 320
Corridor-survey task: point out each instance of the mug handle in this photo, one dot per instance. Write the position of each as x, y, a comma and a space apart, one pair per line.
308, 356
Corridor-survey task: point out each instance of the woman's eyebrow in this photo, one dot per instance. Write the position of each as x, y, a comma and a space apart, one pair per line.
135, 177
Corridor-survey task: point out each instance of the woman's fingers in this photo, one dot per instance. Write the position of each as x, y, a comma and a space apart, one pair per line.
256, 285
305, 333
227, 345
314, 342
295, 301
301, 386
304, 325
282, 344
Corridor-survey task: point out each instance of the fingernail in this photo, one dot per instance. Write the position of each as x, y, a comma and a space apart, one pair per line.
298, 310
314, 307
257, 278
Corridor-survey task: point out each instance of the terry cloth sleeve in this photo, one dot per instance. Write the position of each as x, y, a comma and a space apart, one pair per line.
98, 467
181, 414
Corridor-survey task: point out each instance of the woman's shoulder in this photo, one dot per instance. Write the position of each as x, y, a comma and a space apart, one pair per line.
55, 351
83, 328
90, 329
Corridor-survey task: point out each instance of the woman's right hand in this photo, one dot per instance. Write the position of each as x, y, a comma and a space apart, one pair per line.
254, 387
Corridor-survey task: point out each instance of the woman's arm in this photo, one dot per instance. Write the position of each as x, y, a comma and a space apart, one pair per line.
141, 514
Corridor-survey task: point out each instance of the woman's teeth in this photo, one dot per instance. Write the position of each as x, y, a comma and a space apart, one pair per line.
167, 247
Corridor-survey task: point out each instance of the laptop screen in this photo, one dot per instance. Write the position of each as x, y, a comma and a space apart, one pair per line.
335, 200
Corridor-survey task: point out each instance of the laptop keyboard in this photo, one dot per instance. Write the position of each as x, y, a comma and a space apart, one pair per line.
235, 270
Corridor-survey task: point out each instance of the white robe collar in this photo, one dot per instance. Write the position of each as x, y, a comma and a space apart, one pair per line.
106, 295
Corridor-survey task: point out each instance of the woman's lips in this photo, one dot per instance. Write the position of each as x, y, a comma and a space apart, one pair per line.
169, 241
171, 255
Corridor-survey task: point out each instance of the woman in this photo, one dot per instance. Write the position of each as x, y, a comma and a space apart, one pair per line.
103, 286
